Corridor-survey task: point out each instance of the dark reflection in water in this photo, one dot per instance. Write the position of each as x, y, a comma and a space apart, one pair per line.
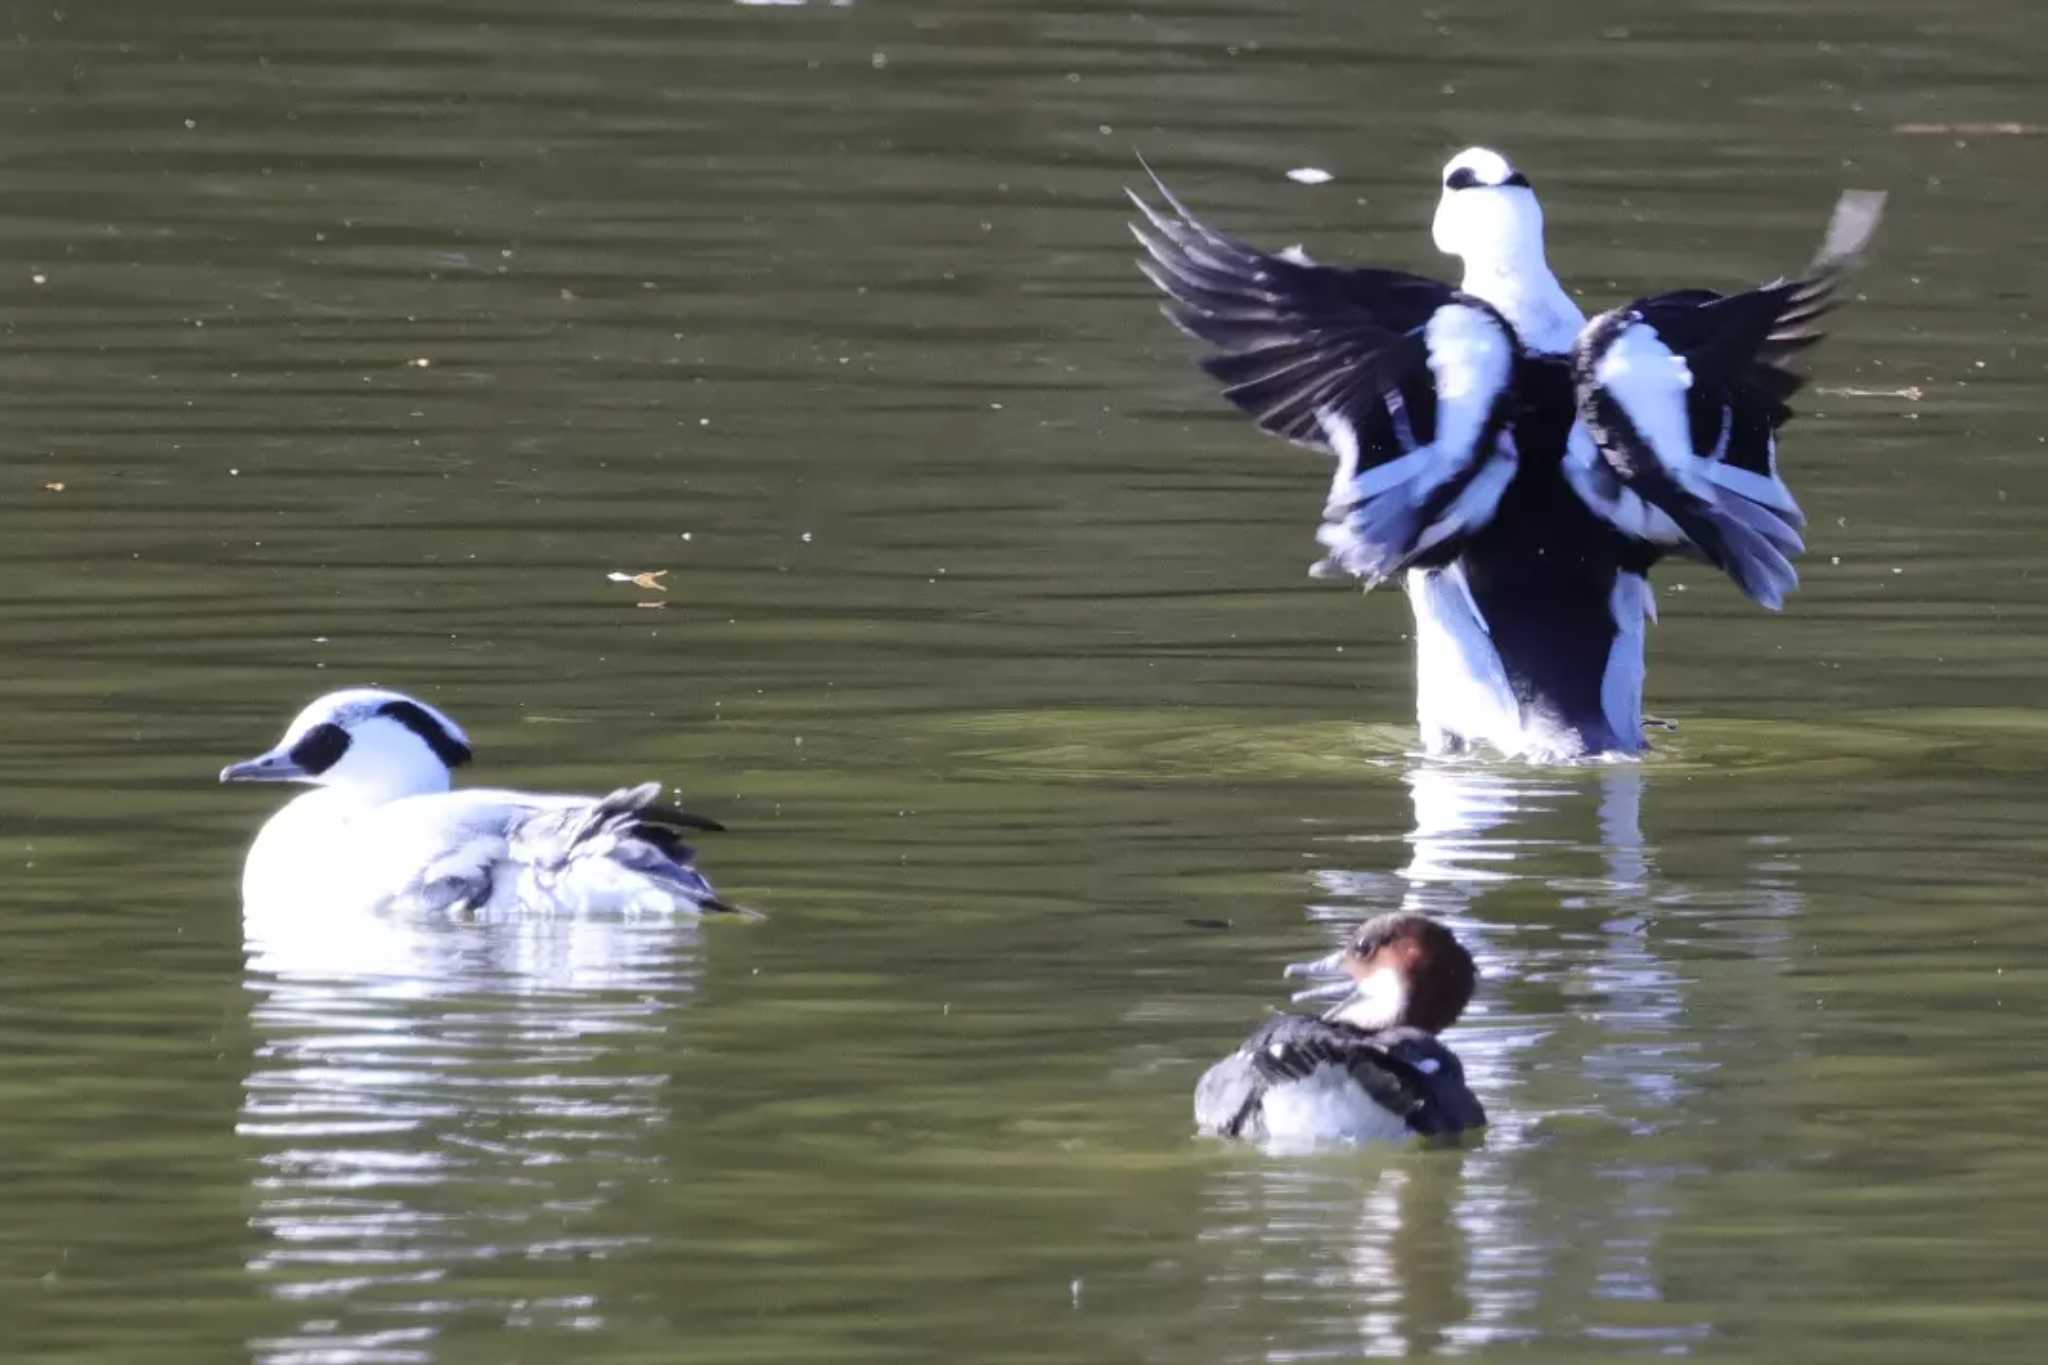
1451, 1250
429, 1097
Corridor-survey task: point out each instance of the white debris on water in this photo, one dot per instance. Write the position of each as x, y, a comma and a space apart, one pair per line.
1310, 175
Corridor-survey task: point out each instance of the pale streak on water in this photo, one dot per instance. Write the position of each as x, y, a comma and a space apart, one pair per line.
987, 635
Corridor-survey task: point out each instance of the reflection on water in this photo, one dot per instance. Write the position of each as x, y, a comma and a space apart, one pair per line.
428, 1097
1448, 1250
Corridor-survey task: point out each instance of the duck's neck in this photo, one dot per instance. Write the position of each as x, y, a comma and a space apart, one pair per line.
1514, 277
390, 786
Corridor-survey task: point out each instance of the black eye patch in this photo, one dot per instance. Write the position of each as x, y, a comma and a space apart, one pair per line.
319, 749
1465, 178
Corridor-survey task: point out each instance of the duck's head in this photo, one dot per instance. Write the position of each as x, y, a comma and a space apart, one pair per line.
378, 744
1488, 214
1399, 969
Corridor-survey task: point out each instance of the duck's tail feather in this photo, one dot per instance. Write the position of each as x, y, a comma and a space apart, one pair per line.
634, 827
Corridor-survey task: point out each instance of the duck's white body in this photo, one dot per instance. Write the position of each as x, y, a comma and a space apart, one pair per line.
383, 830
437, 850
1329, 1105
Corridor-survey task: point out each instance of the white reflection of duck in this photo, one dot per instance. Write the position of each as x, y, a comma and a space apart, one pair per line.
403, 1064
1455, 1250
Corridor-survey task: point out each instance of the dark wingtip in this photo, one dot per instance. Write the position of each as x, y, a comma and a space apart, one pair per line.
723, 907
692, 820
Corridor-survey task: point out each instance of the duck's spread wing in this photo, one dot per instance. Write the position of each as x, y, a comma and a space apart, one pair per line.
1406, 1071
1680, 397
1404, 379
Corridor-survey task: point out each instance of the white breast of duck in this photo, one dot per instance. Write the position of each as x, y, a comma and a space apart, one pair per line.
382, 828
1370, 1069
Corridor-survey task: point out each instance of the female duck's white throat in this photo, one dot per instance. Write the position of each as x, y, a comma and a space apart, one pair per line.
1378, 1001
1488, 217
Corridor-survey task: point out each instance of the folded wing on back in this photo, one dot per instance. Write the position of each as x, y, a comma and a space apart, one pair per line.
1404, 1071
510, 850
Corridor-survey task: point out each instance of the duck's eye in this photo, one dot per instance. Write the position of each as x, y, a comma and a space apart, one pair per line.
1517, 179
1464, 178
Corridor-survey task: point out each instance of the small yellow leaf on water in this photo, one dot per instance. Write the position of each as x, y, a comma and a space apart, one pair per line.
55, 486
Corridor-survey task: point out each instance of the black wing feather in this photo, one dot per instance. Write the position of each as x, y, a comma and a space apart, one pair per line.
648, 836
1296, 338
1741, 347
1737, 375
1406, 1071
1341, 360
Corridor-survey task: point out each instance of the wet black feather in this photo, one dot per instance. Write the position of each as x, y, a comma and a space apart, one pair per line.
1406, 1071
1293, 338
